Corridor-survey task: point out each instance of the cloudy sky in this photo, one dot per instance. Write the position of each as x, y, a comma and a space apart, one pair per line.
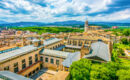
63, 10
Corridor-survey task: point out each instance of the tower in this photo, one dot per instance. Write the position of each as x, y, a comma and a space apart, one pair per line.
86, 26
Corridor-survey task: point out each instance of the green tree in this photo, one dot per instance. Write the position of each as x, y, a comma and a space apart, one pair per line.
120, 52
114, 56
124, 41
99, 72
123, 74
113, 67
86, 70
41, 30
80, 70
126, 32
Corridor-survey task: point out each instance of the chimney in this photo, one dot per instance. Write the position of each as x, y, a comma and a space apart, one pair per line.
36, 42
41, 42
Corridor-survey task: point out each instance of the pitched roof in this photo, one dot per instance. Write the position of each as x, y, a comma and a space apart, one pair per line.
71, 58
17, 52
55, 53
12, 76
101, 50
51, 41
89, 37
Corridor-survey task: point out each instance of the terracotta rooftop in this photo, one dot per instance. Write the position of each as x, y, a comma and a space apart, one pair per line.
89, 37
94, 26
7, 47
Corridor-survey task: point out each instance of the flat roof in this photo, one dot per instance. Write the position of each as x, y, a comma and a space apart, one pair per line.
51, 41
12, 76
17, 52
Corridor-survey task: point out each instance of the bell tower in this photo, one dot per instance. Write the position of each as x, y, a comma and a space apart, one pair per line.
86, 26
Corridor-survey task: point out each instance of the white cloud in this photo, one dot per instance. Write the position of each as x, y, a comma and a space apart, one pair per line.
120, 15
46, 14
99, 5
78, 5
5, 13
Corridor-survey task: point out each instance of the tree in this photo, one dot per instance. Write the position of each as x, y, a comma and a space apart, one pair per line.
80, 70
126, 32
86, 70
121, 52
124, 41
123, 74
114, 56
99, 72
113, 67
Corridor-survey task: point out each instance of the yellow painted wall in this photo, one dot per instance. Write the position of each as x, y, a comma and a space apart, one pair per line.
19, 59
53, 66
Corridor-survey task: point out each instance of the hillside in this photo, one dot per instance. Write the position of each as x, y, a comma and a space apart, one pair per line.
72, 23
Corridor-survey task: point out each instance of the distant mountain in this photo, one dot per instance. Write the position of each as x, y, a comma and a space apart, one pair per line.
23, 24
3, 22
72, 22
111, 23
62, 23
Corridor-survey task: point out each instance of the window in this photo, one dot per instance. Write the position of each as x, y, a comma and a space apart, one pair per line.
75, 43
23, 61
23, 64
46, 60
52, 61
37, 69
33, 71
16, 67
57, 62
15, 64
36, 58
6, 68
26, 76
41, 58
29, 74
30, 60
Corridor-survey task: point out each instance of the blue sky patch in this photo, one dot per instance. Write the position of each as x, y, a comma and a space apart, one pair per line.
57, 10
